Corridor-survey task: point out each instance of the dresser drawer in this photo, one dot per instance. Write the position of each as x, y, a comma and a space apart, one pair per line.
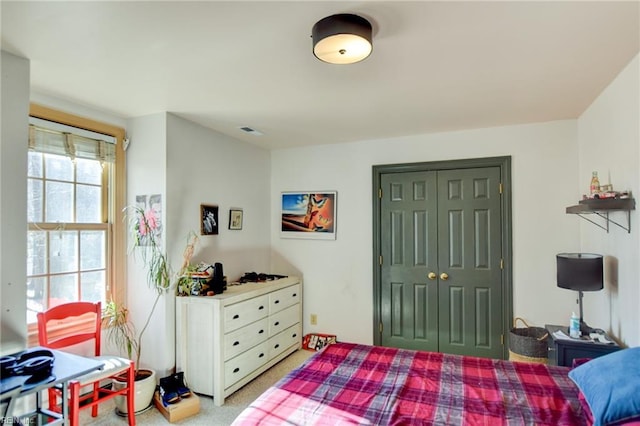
245, 363
243, 313
243, 338
278, 300
289, 337
283, 319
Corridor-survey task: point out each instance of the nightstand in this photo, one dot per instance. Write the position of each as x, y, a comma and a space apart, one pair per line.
564, 351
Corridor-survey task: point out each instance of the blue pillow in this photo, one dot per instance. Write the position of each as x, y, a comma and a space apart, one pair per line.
611, 386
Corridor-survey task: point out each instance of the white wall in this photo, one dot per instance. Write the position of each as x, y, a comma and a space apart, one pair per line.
338, 274
146, 175
191, 165
609, 137
76, 109
14, 114
207, 167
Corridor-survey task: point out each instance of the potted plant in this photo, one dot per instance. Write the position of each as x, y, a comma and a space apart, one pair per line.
185, 280
120, 331
122, 334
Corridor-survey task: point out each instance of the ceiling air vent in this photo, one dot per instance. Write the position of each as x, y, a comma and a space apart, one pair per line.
248, 129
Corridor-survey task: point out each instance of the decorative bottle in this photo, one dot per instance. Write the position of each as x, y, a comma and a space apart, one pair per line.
574, 326
595, 183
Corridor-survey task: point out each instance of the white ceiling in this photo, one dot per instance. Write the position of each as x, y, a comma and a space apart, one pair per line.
435, 66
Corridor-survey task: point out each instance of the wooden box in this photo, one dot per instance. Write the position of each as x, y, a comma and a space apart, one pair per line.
175, 412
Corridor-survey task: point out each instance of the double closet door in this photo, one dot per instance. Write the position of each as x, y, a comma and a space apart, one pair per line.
440, 278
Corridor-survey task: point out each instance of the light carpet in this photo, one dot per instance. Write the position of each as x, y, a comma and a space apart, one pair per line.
209, 414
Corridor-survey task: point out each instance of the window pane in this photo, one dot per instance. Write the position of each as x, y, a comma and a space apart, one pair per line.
35, 164
36, 296
88, 171
88, 204
93, 287
58, 167
92, 250
63, 251
34, 200
36, 252
59, 202
64, 289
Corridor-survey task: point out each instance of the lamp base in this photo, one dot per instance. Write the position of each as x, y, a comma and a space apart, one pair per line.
585, 330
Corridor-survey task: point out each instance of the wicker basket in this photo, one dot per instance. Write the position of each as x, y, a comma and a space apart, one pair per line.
528, 344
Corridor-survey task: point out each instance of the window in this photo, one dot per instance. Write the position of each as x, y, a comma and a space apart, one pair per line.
75, 232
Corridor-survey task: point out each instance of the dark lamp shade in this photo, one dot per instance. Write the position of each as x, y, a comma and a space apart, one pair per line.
580, 271
342, 39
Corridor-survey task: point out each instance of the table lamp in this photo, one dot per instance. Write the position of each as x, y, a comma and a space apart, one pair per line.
580, 272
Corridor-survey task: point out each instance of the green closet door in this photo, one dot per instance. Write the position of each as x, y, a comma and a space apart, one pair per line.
469, 253
440, 268
409, 253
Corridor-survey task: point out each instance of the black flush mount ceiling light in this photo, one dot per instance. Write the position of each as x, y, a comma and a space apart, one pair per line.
342, 39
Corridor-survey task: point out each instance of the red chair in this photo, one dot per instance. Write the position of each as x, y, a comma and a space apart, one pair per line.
54, 334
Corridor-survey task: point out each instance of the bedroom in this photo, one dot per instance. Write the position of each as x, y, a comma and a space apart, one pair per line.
552, 164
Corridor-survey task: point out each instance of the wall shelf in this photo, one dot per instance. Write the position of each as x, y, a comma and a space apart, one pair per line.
602, 209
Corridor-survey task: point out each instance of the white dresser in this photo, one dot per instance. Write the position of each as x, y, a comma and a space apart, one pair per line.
225, 341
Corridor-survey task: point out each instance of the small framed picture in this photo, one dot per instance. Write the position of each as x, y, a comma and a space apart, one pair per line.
235, 219
208, 219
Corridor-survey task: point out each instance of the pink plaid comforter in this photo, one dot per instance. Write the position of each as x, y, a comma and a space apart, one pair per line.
370, 385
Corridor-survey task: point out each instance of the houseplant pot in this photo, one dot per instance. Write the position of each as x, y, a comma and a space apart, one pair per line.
144, 386
123, 335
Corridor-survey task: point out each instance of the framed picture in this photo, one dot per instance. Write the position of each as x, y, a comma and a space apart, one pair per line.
151, 224
208, 219
309, 215
235, 219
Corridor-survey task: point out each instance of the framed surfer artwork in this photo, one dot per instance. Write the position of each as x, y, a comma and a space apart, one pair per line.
309, 215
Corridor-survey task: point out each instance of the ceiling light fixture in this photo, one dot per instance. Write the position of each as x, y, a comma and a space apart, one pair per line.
342, 39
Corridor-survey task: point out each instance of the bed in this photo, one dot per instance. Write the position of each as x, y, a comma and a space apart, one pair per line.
358, 384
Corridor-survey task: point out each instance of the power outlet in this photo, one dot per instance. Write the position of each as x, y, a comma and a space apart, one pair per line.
314, 319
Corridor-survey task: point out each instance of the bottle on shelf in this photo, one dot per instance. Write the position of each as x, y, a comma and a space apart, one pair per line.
594, 188
574, 326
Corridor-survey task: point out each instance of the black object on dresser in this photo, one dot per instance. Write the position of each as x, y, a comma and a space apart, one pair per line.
562, 351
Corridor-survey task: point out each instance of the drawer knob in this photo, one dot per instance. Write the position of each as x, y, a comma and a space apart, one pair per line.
295, 294
235, 370
294, 335
261, 355
236, 343
276, 346
277, 323
276, 302
261, 308
261, 331
236, 316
